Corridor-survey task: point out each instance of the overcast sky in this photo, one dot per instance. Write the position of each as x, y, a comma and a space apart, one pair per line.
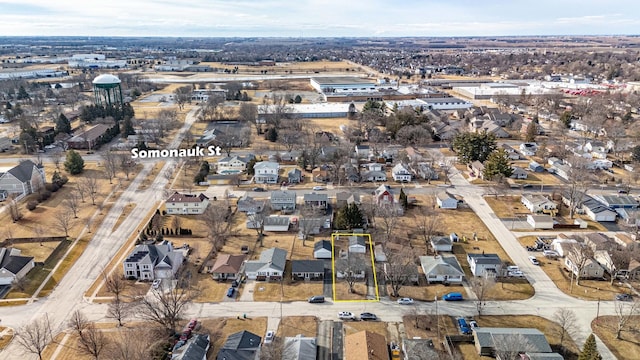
312, 18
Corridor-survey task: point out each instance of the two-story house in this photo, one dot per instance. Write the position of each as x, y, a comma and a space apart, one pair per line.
23, 179
283, 200
13, 266
538, 203
400, 173
186, 204
233, 164
484, 264
150, 262
383, 196
266, 172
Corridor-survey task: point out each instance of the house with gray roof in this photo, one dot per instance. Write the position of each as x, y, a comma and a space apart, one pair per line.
299, 348
266, 172
151, 262
274, 223
247, 204
294, 176
374, 176
270, 265
316, 200
617, 201
484, 264
283, 200
489, 340
23, 179
441, 243
307, 269
322, 249
243, 345
13, 266
194, 348
442, 269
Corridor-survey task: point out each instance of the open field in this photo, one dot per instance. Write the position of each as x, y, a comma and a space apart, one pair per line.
39, 250
625, 348
378, 327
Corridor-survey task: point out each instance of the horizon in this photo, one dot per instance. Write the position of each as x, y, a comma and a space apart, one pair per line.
318, 19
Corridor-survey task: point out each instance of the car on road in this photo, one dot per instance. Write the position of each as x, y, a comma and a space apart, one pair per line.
346, 315
268, 338
533, 260
368, 316
318, 299
624, 297
621, 191
319, 188
258, 189
405, 301
453, 296
156, 283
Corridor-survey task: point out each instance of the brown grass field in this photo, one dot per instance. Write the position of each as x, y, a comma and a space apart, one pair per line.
298, 291
40, 251
294, 325
626, 348
378, 327
425, 326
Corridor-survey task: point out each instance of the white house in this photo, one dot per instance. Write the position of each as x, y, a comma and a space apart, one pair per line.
266, 172
484, 264
538, 203
276, 223
591, 270
23, 179
186, 204
441, 243
445, 201
540, 221
400, 173
150, 262
270, 265
13, 266
373, 176
322, 249
518, 173
233, 164
357, 245
442, 269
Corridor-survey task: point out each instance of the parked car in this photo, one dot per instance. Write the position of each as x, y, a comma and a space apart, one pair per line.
473, 324
621, 191
533, 260
318, 188
464, 327
268, 338
258, 189
156, 283
516, 273
316, 299
405, 301
624, 297
453, 296
368, 316
346, 315
230, 292
192, 324
454, 237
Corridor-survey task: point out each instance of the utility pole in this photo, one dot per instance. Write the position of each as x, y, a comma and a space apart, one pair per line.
437, 318
598, 311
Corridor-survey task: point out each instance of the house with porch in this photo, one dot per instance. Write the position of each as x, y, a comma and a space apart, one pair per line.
316, 200
538, 203
294, 176
400, 173
14, 266
266, 172
226, 267
231, 165
247, 204
283, 200
442, 269
269, 267
484, 264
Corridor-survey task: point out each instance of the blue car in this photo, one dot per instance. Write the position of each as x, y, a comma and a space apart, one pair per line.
452, 296
230, 292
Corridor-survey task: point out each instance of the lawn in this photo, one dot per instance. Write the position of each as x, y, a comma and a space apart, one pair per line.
6, 338
628, 347
378, 327
294, 325
39, 250
342, 291
298, 291
425, 326
506, 206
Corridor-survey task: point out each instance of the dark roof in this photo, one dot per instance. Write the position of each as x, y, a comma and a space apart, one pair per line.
307, 266
485, 258
14, 264
241, 345
196, 348
23, 170
322, 244
184, 198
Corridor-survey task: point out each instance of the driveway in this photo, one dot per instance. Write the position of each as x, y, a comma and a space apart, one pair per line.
247, 291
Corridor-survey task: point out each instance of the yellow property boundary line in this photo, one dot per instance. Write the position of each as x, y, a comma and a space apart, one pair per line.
333, 267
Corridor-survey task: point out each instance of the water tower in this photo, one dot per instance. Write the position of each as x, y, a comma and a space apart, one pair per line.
107, 90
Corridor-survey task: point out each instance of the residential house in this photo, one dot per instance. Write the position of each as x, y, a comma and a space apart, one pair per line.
87, 139
625, 240
484, 264
289, 156
345, 198
500, 118
528, 149
247, 204
362, 151
617, 201
383, 196
512, 154
598, 241
283, 200
195, 348
322, 249
266, 172
226, 267
489, 340
562, 170
357, 244
23, 179
311, 226
591, 269
270, 265
243, 345
276, 223
365, 345
594, 209
535, 167
13, 266
443, 131
350, 172
537, 203
374, 176
480, 124
316, 200
421, 349
518, 173
629, 216
374, 167
445, 201
186, 204
477, 169
307, 269
441, 243
294, 176
299, 348
230, 165
426, 172
612, 266
379, 250
151, 262
400, 173
540, 221
562, 244
321, 174
442, 269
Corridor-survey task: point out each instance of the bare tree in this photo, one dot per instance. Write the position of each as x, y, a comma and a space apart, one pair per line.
272, 351
311, 219
567, 326
351, 269
619, 262
399, 269
89, 182
216, 218
39, 233
257, 220
110, 163
481, 286
248, 112
428, 224
56, 158
579, 255
116, 285
625, 312
389, 218
579, 179
34, 337
14, 210
126, 164
91, 340
166, 307
71, 202
510, 346
132, 344
64, 221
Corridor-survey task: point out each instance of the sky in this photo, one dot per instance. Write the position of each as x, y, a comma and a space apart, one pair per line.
317, 18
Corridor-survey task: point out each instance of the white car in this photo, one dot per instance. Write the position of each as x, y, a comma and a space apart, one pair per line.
268, 338
516, 273
318, 188
346, 315
156, 283
533, 260
405, 301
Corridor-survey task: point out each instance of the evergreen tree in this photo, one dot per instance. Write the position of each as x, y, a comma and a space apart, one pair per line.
127, 127
23, 94
63, 125
349, 217
532, 131
297, 99
497, 164
474, 146
272, 134
250, 165
74, 164
404, 201
590, 350
8, 106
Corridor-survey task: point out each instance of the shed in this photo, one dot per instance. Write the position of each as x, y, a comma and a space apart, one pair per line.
446, 201
540, 221
534, 166
357, 245
276, 223
322, 249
